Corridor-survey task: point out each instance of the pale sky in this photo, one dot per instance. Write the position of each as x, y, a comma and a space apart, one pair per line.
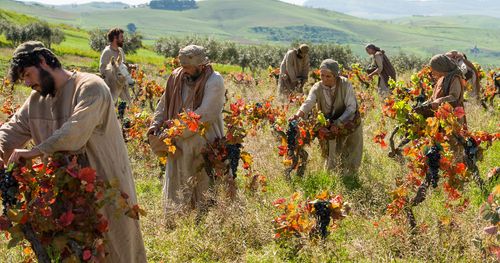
130, 2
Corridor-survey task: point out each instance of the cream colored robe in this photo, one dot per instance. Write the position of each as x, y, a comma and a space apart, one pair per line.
186, 181
81, 118
106, 55
291, 69
342, 152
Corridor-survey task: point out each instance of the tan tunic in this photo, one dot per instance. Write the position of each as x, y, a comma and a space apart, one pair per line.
455, 97
106, 56
383, 88
343, 152
81, 118
185, 181
292, 68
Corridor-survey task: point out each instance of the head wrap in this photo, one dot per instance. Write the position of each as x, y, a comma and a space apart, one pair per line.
445, 65
26, 55
193, 55
331, 65
372, 46
304, 48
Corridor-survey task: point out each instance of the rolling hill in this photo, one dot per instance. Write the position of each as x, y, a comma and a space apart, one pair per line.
260, 21
388, 9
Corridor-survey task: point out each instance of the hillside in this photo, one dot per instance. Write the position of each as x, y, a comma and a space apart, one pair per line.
387, 9
274, 21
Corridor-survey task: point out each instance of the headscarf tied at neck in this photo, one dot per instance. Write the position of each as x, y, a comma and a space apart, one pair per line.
443, 64
191, 55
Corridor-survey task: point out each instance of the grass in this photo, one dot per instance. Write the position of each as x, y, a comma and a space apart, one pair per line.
229, 19
241, 231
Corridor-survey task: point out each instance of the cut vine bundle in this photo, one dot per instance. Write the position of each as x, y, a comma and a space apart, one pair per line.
55, 207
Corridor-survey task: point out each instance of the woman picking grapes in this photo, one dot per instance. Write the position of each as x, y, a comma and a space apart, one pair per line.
334, 96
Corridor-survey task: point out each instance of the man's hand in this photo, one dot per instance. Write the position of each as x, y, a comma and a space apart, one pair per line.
24, 154
157, 145
435, 105
300, 114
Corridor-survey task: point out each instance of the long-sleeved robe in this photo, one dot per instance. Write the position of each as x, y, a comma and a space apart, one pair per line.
455, 97
81, 119
384, 70
186, 181
106, 56
291, 69
343, 152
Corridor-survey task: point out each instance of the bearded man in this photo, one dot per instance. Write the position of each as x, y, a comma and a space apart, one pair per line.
294, 70
72, 113
195, 87
114, 49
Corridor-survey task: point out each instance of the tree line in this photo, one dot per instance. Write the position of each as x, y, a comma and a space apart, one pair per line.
255, 57
40, 31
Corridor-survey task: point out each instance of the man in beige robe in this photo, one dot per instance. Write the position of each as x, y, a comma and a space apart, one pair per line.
73, 113
335, 98
192, 87
115, 51
294, 70
381, 66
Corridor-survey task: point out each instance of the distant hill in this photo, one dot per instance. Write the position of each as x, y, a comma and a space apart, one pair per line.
273, 21
388, 9
92, 6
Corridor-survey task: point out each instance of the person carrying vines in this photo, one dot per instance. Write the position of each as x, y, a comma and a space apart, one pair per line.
196, 87
381, 66
72, 113
294, 70
335, 98
448, 89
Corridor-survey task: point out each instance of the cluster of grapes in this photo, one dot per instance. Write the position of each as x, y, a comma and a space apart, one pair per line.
471, 150
9, 188
121, 109
433, 157
234, 154
322, 213
291, 137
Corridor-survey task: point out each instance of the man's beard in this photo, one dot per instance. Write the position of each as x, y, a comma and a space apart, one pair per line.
119, 43
195, 76
47, 83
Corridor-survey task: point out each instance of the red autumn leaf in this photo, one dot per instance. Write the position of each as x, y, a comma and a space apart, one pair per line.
66, 219
86, 254
460, 168
459, 112
103, 225
192, 126
46, 211
87, 174
279, 201
282, 150
89, 188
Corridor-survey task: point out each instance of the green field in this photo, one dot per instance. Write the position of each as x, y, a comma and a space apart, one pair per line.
241, 230
236, 20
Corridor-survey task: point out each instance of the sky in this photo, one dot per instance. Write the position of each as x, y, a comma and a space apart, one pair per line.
130, 2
